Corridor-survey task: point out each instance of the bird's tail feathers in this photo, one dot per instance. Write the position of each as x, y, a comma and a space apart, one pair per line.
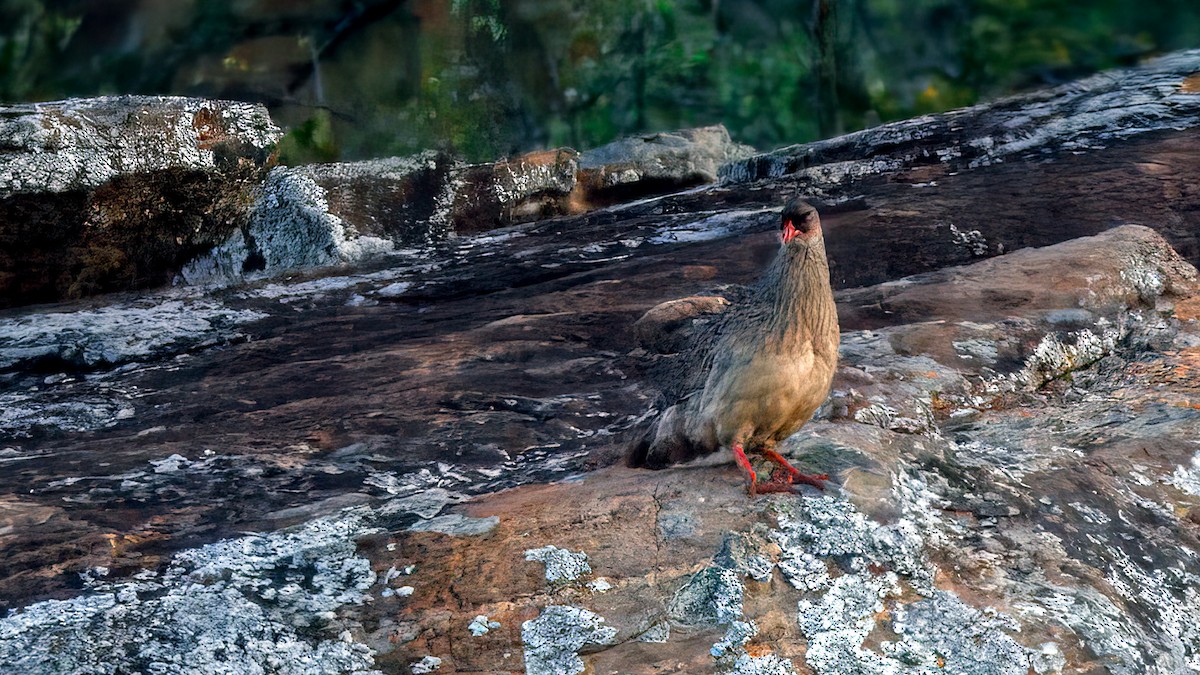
662, 442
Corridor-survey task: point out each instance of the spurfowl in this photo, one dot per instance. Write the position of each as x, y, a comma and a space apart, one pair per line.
757, 372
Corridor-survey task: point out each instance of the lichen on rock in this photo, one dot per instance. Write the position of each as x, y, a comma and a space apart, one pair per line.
552, 641
261, 603
562, 566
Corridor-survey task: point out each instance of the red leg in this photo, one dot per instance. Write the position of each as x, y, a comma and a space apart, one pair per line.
740, 455
808, 479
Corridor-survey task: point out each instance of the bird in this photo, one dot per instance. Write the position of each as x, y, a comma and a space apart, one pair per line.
755, 373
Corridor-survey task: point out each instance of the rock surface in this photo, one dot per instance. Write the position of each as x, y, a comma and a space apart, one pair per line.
328, 214
332, 214
655, 163
117, 193
1083, 115
1014, 486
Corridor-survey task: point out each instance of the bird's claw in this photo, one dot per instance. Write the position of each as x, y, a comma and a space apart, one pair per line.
783, 478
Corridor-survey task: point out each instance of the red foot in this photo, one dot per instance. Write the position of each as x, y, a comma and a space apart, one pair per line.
782, 479
815, 480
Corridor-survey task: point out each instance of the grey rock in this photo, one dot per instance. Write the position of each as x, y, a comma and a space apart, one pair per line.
115, 193
711, 597
326, 214
80, 144
455, 524
679, 159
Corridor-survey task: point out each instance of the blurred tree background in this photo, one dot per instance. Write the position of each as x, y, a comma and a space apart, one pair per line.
352, 79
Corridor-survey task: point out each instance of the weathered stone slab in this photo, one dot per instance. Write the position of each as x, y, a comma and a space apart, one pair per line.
656, 163
119, 192
528, 187
327, 214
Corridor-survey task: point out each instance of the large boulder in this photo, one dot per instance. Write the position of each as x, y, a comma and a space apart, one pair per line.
325, 214
657, 163
527, 187
328, 214
119, 192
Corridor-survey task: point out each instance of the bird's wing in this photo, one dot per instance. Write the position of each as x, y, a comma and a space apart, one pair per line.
684, 374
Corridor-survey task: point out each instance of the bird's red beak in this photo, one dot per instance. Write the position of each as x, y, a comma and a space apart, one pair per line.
789, 231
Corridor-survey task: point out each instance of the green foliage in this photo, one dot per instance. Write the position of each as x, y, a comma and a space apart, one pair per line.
34, 39
486, 78
311, 141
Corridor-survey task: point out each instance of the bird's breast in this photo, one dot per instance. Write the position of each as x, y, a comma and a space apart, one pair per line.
769, 397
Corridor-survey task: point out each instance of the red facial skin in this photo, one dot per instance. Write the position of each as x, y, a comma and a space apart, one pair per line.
789, 231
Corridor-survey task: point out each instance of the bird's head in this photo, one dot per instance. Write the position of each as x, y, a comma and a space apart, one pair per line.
799, 222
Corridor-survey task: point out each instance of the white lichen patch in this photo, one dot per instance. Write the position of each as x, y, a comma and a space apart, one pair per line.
767, 664
826, 527
150, 328
837, 623
736, 636
945, 635
562, 566
552, 641
481, 625
1147, 282
936, 633
1060, 354
426, 665
972, 240
600, 585
1172, 594
262, 603
1187, 477
922, 507
803, 570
